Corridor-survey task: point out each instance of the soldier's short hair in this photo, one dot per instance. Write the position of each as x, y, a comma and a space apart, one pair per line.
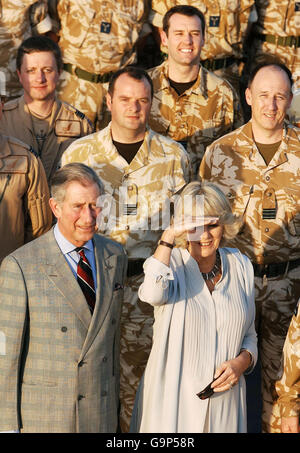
270, 62
73, 172
215, 204
185, 10
132, 71
39, 44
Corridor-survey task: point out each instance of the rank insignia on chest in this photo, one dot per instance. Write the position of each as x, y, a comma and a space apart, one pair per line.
214, 21
105, 27
130, 209
269, 214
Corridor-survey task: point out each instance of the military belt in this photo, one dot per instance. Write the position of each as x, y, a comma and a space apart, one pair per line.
290, 41
274, 269
135, 267
85, 75
219, 63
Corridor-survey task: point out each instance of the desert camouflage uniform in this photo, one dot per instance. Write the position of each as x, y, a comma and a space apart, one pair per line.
288, 387
268, 198
203, 113
99, 37
137, 195
18, 20
278, 20
24, 209
226, 24
66, 124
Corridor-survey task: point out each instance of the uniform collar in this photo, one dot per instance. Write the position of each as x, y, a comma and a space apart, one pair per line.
247, 145
199, 87
141, 158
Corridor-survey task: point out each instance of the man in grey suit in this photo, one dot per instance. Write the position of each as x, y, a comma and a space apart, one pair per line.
59, 354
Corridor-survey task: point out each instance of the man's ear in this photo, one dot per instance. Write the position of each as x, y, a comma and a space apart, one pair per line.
19, 75
55, 207
108, 101
248, 96
163, 38
290, 100
203, 41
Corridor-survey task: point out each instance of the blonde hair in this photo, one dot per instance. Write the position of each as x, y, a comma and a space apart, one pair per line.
215, 204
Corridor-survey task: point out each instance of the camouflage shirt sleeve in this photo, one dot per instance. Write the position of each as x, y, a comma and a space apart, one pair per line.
288, 387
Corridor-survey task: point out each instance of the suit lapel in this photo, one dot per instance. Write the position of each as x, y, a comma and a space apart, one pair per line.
58, 271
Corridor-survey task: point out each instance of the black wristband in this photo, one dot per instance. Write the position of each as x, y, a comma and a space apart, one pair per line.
166, 244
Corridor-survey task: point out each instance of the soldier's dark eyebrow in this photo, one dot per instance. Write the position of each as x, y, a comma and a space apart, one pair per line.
197, 30
43, 68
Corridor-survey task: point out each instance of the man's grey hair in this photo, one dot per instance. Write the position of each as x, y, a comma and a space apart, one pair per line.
74, 172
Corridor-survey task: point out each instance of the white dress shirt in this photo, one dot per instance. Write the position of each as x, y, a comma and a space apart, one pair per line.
72, 257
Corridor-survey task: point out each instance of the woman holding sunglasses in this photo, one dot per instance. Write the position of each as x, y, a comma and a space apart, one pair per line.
203, 298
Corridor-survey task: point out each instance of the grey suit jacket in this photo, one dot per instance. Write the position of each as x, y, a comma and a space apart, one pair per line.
59, 366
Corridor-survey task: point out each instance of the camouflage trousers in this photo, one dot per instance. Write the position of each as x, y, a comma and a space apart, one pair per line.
85, 96
276, 300
136, 342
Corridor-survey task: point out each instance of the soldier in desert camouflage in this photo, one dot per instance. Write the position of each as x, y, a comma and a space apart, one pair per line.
37, 118
276, 33
258, 168
142, 171
190, 104
288, 387
226, 23
97, 37
18, 21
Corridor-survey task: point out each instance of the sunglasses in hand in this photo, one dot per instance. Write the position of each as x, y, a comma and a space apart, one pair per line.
207, 392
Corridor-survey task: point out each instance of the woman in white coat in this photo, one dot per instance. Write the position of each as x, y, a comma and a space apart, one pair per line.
203, 298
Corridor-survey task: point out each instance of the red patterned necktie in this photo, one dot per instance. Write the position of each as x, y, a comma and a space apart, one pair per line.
85, 279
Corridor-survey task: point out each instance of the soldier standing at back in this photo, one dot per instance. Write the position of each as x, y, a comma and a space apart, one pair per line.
190, 104
226, 24
18, 21
38, 118
97, 37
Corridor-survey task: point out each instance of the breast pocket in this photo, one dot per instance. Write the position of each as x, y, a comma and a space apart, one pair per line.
240, 200
120, 28
77, 23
